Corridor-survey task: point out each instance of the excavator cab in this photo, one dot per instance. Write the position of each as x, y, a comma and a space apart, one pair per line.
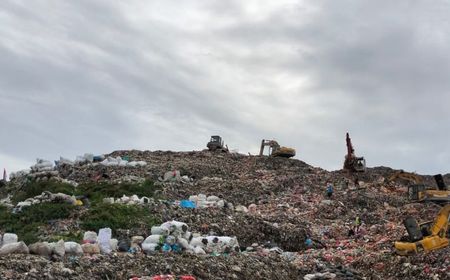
360, 164
415, 191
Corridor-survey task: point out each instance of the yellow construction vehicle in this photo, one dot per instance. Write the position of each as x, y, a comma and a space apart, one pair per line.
406, 176
426, 236
420, 193
275, 150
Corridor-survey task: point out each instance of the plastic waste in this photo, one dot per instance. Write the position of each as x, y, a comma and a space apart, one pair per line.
176, 248
159, 230
187, 204
170, 240
199, 251
14, 248
184, 244
90, 248
104, 237
73, 248
114, 244
41, 249
58, 248
166, 248
124, 245
172, 176
9, 238
154, 238
137, 240
90, 237
150, 247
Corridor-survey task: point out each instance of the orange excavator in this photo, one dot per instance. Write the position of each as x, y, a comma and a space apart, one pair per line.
353, 163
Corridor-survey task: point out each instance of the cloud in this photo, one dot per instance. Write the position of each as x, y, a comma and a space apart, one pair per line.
95, 76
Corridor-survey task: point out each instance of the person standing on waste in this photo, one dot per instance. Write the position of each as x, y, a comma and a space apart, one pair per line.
308, 242
330, 190
357, 224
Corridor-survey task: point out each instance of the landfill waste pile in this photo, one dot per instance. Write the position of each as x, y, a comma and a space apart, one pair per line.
205, 215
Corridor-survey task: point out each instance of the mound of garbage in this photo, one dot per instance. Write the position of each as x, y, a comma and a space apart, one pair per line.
220, 216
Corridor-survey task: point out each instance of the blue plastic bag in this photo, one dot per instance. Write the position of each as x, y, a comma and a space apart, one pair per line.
187, 204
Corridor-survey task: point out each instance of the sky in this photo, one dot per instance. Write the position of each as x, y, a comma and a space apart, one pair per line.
94, 76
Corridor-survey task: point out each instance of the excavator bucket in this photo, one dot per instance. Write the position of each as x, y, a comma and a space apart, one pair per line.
413, 229
440, 182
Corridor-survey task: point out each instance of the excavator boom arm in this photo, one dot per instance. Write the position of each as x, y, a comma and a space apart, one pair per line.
441, 222
350, 150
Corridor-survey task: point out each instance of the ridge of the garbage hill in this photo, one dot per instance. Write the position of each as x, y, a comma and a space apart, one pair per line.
276, 208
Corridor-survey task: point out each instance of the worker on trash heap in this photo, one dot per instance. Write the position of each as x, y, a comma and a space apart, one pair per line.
357, 224
308, 242
329, 190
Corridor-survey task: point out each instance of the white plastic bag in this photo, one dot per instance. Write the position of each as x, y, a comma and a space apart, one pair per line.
154, 238
149, 247
90, 236
160, 230
58, 248
104, 237
14, 248
199, 251
73, 248
114, 244
9, 238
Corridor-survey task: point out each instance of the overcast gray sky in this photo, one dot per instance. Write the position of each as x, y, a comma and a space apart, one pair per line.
97, 76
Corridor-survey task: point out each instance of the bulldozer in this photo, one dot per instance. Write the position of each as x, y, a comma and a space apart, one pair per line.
275, 150
420, 193
216, 144
428, 236
353, 163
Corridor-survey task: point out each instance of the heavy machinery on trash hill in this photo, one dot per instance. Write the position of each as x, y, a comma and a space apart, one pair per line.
216, 144
275, 150
405, 176
426, 236
420, 193
353, 163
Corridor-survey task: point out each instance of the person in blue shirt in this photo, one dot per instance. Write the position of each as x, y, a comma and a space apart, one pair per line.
308, 242
329, 190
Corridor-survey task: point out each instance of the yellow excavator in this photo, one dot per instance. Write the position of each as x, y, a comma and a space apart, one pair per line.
426, 236
405, 176
275, 150
420, 193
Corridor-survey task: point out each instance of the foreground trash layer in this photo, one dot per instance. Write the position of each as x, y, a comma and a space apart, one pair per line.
287, 224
